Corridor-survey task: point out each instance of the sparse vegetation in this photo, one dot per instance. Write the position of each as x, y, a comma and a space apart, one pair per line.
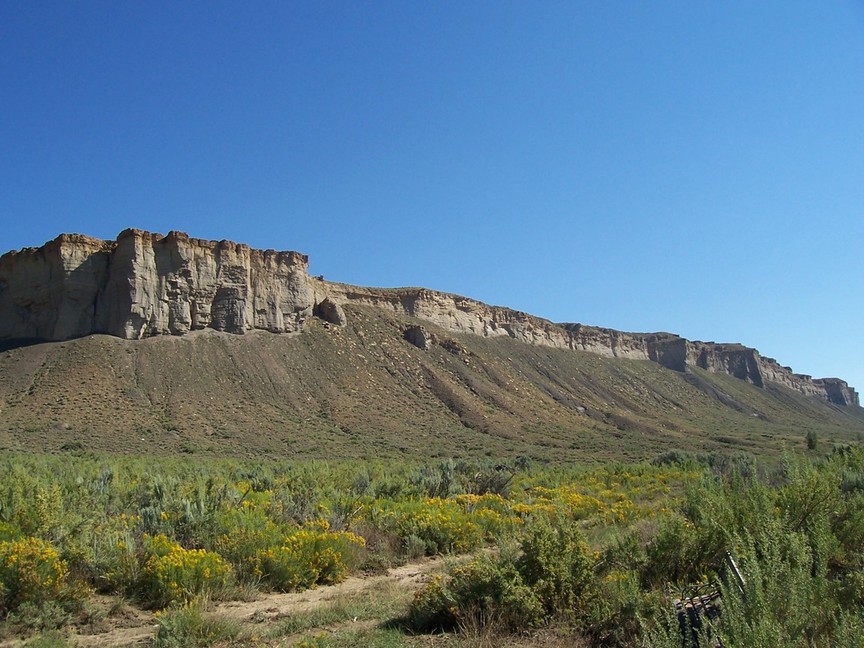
362, 392
189, 626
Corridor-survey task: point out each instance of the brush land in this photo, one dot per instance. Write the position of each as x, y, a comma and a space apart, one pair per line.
109, 550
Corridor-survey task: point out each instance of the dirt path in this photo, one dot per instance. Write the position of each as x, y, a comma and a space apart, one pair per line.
276, 606
134, 627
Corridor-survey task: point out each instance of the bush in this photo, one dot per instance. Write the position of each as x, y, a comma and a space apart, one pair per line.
556, 563
310, 557
443, 525
550, 576
172, 573
115, 564
484, 591
798, 545
32, 573
246, 534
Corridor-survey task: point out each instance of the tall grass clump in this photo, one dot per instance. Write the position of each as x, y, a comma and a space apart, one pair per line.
187, 625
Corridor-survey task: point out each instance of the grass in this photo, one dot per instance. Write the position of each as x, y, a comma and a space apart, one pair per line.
190, 626
383, 601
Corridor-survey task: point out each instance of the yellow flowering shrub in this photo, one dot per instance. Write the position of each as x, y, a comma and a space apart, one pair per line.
442, 524
492, 513
577, 505
31, 571
313, 555
172, 573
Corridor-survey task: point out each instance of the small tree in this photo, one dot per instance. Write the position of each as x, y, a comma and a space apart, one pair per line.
812, 440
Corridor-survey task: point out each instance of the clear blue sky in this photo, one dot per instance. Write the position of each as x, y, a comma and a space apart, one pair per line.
693, 167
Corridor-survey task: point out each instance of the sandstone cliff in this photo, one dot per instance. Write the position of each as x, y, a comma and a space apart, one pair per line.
464, 315
145, 284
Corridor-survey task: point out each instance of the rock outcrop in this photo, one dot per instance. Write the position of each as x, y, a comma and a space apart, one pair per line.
419, 337
146, 284
331, 312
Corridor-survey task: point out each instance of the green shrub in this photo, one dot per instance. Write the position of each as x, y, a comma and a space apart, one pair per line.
485, 590
556, 563
798, 545
549, 575
246, 535
443, 525
783, 602
614, 613
115, 564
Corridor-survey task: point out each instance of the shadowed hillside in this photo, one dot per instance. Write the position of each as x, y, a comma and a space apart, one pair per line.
363, 390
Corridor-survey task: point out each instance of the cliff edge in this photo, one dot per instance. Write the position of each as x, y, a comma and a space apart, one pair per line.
145, 284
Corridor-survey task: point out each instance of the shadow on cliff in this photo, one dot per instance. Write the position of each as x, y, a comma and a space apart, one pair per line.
8, 345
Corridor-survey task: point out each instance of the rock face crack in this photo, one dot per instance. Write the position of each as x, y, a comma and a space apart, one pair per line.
144, 284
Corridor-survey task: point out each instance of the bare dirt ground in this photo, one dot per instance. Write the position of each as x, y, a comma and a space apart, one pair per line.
122, 625
276, 606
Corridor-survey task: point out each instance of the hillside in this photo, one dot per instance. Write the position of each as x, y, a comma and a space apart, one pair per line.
153, 344
363, 390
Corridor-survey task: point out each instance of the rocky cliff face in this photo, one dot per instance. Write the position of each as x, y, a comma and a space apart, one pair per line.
463, 315
145, 284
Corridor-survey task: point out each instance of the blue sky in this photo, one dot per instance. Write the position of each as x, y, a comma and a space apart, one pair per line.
693, 167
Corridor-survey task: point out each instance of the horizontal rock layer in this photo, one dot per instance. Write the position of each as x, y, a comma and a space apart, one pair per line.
145, 284
464, 315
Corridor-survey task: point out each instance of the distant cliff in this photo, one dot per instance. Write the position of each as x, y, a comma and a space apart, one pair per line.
145, 284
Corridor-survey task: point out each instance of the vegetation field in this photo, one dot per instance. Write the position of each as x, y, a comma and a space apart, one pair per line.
547, 555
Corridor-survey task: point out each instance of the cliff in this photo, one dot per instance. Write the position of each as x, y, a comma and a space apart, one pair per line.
463, 315
144, 285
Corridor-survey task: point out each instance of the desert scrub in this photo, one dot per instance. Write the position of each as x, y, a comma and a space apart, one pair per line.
485, 591
7, 532
311, 556
172, 573
114, 564
492, 513
549, 575
32, 573
246, 533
